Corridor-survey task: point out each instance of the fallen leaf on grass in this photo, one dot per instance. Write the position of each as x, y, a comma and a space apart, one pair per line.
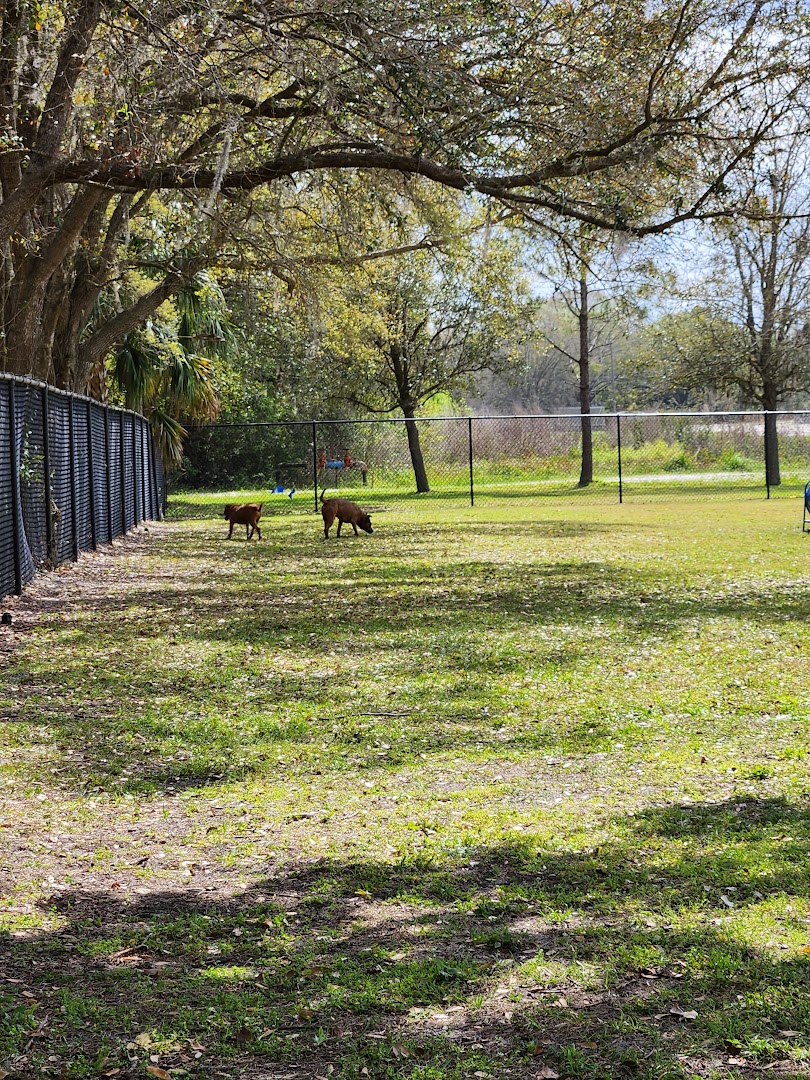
788, 1033
685, 1014
547, 1073
161, 1074
400, 1051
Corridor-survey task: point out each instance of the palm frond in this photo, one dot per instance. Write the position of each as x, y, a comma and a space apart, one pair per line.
169, 434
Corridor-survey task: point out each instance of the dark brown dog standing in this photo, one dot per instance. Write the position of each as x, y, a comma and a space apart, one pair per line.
344, 511
246, 514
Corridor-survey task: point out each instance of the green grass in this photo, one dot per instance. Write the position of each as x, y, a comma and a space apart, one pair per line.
646, 478
501, 791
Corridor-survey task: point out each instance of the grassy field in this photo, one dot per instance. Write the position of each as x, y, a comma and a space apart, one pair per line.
495, 491
495, 792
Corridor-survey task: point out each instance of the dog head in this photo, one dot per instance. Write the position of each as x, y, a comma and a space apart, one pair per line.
229, 510
365, 523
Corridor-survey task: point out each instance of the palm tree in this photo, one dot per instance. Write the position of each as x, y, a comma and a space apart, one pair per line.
165, 369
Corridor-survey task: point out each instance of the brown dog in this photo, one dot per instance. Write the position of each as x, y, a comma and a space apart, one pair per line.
344, 511
246, 514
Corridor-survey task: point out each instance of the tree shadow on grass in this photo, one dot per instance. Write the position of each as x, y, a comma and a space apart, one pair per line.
383, 598
194, 659
496, 960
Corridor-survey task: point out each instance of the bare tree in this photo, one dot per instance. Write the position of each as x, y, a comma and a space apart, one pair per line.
597, 281
748, 332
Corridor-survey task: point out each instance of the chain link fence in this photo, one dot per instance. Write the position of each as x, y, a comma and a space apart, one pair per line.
635, 456
73, 474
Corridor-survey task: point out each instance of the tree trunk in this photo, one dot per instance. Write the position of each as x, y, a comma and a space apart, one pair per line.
405, 398
773, 476
415, 447
112, 332
584, 364
32, 304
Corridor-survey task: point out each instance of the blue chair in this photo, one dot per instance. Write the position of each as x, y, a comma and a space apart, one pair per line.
806, 515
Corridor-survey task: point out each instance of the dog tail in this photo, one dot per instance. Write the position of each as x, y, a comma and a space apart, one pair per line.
322, 494
260, 507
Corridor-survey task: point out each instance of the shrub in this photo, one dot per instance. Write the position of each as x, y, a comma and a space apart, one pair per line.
732, 461
678, 461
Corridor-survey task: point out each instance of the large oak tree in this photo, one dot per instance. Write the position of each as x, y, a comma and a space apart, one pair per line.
156, 136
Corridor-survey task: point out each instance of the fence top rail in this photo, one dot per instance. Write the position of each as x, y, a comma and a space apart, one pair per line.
511, 416
36, 384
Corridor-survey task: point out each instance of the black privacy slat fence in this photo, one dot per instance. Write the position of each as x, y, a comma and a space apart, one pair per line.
73, 474
636, 456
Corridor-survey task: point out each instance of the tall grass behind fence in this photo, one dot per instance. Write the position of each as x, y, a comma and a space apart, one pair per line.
73, 474
635, 456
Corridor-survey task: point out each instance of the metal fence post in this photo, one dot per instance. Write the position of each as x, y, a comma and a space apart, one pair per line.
765, 448
74, 510
143, 454
15, 491
470, 447
148, 493
315, 461
122, 449
154, 477
92, 478
50, 539
108, 472
619, 452
135, 508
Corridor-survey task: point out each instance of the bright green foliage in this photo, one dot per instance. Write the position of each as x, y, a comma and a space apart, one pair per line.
397, 333
165, 369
